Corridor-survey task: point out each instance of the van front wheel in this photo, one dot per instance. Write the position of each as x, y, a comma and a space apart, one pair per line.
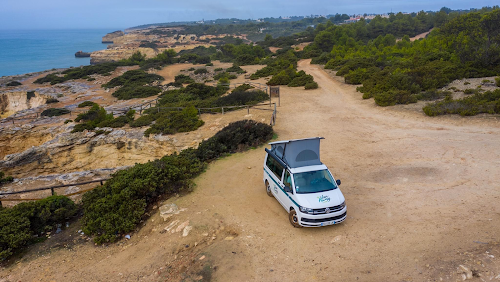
294, 219
268, 189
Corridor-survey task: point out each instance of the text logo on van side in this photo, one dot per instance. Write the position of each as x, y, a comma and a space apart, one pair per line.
324, 199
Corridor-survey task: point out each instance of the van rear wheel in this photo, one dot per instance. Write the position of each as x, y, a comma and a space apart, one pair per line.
268, 189
294, 219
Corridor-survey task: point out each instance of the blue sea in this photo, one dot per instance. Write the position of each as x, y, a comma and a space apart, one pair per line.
24, 51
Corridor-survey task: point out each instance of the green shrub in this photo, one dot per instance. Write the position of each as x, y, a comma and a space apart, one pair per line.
281, 78
497, 81
55, 112
218, 69
5, 179
301, 80
173, 122
235, 137
133, 78
209, 64
90, 79
86, 104
469, 91
133, 92
117, 207
236, 98
51, 100
466, 83
487, 102
191, 69
19, 223
392, 97
183, 79
311, 85
13, 83
68, 121
431, 95
98, 117
30, 94
236, 69
243, 87
143, 121
200, 71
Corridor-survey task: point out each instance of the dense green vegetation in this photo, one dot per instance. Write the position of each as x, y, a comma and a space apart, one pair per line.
25, 223
55, 112
97, 116
487, 102
167, 57
170, 120
400, 71
5, 179
176, 121
86, 104
117, 207
133, 85
13, 83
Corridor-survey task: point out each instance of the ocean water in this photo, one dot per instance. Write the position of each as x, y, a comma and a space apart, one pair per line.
25, 51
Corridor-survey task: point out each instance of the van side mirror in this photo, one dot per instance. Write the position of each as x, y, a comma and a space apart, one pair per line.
338, 182
288, 189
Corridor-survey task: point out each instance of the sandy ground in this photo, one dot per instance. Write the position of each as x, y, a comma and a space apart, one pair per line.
422, 197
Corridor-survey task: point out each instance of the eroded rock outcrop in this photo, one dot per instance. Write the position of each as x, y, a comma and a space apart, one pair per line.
108, 38
118, 53
68, 151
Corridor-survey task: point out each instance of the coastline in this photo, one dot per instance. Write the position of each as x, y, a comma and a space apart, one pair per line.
25, 52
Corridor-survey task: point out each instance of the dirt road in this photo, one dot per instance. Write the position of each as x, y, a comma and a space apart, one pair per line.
422, 199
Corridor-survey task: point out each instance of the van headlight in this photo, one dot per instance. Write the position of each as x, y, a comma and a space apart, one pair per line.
342, 205
306, 210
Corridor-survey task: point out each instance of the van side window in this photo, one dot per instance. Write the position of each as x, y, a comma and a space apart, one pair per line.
274, 166
288, 179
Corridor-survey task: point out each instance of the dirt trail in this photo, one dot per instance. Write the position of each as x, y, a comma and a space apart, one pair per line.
422, 198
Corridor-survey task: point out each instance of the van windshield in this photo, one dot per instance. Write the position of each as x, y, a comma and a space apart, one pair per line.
313, 182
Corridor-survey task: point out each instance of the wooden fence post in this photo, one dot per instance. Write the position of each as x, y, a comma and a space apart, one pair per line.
248, 109
222, 110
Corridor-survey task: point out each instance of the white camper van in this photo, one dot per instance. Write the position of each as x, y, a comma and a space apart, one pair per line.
302, 184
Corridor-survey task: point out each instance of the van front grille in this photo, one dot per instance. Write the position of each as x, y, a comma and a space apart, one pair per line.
330, 209
319, 220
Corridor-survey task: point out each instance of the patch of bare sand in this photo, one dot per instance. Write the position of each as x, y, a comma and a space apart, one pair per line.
421, 194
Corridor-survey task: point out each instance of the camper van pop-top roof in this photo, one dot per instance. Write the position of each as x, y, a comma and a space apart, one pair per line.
297, 152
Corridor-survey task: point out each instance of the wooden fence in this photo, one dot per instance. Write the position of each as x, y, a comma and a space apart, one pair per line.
51, 188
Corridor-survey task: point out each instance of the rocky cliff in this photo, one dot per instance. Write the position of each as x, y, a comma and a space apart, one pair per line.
109, 38
118, 53
14, 101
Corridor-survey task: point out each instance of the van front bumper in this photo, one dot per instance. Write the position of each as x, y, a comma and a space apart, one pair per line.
309, 220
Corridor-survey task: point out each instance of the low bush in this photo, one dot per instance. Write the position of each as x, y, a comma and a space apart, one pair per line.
30, 94
86, 104
431, 95
5, 179
487, 102
301, 80
497, 81
236, 69
174, 121
19, 224
243, 87
469, 91
133, 78
238, 97
281, 78
201, 71
55, 112
183, 79
13, 83
68, 121
311, 85
51, 100
98, 117
133, 92
235, 137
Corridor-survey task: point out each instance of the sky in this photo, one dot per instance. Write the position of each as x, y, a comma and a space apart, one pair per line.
121, 14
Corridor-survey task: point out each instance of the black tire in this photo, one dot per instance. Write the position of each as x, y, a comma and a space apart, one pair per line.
294, 219
268, 189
